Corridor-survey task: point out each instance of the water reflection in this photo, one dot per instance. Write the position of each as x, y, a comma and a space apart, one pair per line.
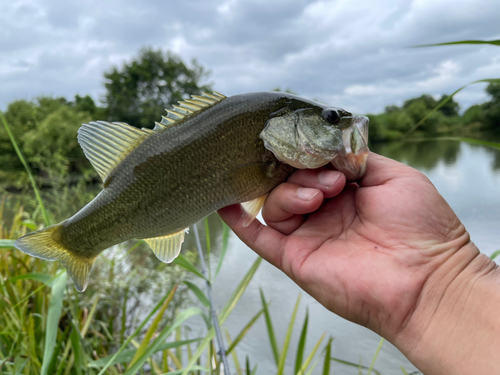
426, 155
466, 175
420, 155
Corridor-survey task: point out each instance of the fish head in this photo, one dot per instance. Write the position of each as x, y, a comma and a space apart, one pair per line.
311, 137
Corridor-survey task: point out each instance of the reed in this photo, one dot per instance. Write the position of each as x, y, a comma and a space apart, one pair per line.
46, 327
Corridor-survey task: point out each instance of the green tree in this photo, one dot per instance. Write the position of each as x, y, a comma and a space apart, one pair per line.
53, 147
450, 108
473, 115
45, 129
139, 91
87, 104
491, 109
392, 108
426, 101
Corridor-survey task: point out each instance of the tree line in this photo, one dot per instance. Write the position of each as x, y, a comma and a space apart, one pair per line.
136, 93
139, 91
396, 121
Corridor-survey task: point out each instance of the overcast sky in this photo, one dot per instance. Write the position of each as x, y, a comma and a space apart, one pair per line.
351, 54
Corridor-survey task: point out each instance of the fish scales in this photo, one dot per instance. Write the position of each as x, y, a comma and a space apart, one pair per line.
233, 151
178, 176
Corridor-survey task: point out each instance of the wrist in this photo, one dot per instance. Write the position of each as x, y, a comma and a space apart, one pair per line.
455, 326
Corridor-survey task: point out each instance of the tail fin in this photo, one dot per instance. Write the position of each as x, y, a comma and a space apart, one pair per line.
46, 244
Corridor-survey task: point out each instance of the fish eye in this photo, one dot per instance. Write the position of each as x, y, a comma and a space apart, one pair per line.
331, 116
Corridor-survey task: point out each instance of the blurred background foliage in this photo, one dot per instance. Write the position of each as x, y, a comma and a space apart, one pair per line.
138, 93
48, 328
396, 121
45, 128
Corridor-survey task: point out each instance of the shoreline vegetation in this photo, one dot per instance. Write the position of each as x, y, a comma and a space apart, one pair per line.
46, 327
138, 93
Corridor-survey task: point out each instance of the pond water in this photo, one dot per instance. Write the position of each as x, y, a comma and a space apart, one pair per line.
468, 176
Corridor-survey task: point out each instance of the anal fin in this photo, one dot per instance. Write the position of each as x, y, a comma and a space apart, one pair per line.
251, 209
167, 248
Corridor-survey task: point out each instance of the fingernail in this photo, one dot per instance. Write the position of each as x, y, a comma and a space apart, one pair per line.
328, 178
307, 194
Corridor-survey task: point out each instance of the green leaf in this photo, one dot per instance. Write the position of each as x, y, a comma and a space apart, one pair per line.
93, 310
492, 42
165, 332
152, 328
37, 276
53, 316
495, 254
234, 354
302, 344
28, 171
494, 145
195, 368
138, 330
288, 337
127, 355
230, 304
21, 368
198, 293
225, 242
312, 368
311, 355
185, 263
328, 353
240, 289
207, 237
244, 331
247, 365
356, 365
444, 101
404, 371
270, 329
207, 234
381, 342
7, 244
76, 345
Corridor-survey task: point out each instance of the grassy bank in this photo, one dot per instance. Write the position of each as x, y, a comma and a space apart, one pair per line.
46, 327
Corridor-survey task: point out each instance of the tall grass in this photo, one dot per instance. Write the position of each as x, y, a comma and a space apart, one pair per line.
46, 327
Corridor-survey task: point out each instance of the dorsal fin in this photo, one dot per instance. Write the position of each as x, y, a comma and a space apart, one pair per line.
188, 107
106, 144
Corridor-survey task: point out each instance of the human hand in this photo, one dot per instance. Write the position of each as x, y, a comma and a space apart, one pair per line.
380, 254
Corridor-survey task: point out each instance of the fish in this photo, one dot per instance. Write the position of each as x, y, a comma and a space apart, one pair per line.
209, 152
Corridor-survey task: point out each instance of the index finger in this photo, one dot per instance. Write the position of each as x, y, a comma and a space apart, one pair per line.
380, 170
265, 241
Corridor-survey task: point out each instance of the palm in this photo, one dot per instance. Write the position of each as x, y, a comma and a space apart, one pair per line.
366, 252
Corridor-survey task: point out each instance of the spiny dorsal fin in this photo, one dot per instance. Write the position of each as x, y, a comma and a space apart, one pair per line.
106, 144
188, 108
167, 248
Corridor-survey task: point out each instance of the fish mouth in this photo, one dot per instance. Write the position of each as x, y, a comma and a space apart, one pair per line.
355, 140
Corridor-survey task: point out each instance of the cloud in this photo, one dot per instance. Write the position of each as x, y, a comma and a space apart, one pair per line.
348, 53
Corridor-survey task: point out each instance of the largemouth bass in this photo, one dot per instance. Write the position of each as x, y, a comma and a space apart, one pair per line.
208, 153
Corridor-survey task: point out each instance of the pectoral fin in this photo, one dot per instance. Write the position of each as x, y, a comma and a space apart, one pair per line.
251, 209
167, 248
